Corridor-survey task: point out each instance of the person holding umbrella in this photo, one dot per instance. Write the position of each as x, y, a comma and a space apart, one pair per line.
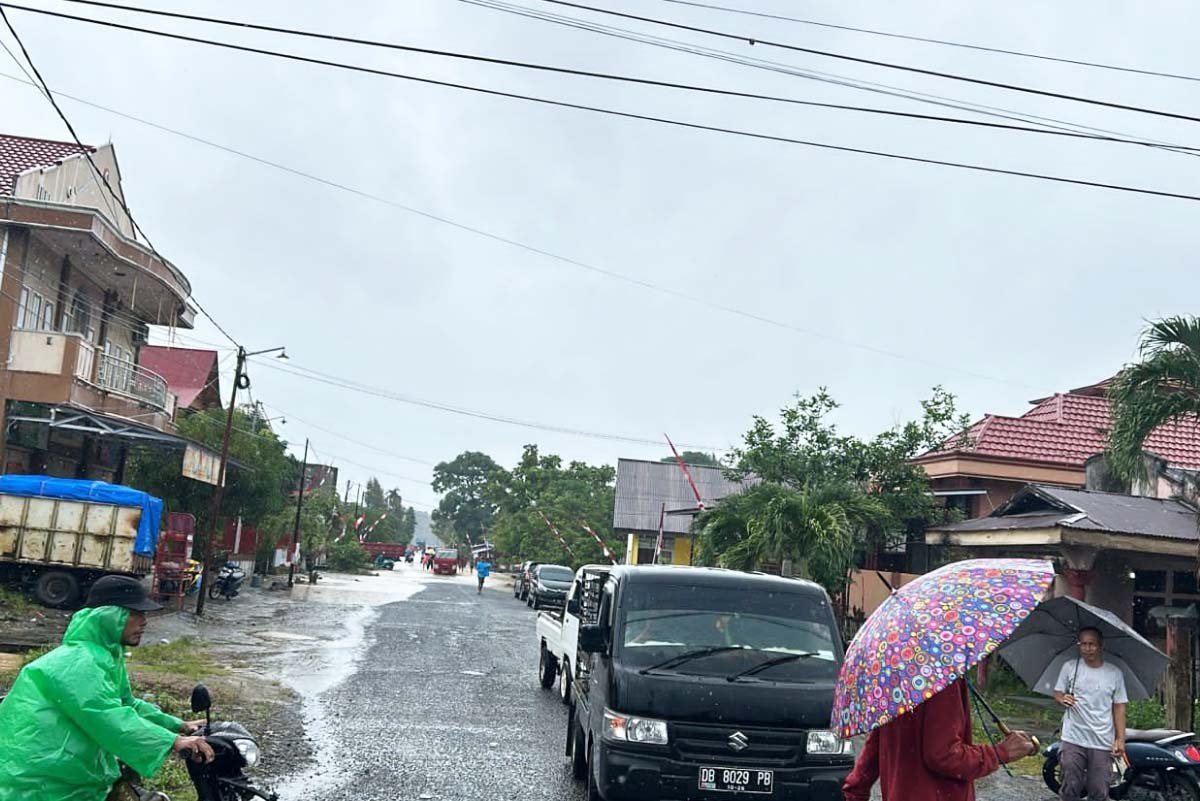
928, 754
903, 680
1093, 729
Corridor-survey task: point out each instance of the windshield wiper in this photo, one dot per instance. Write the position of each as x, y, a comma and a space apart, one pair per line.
679, 659
770, 663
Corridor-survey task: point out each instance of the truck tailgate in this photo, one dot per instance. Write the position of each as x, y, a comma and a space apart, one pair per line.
76, 533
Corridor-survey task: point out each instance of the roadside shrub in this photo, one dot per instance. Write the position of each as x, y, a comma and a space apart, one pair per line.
1147, 714
346, 557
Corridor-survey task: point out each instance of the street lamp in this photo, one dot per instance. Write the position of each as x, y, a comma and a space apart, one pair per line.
240, 381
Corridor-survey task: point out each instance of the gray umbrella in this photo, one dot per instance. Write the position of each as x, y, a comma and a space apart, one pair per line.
1045, 641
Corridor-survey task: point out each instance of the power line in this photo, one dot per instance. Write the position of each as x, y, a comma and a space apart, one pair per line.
366, 389
607, 76
755, 40
630, 115
87, 154
874, 87
639, 282
930, 40
360, 443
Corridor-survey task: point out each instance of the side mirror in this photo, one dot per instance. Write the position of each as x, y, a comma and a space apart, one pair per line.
592, 639
201, 700
573, 607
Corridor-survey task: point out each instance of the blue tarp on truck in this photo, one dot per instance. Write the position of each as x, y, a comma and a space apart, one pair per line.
71, 489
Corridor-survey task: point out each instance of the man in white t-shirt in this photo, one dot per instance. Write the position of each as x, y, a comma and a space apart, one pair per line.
1093, 729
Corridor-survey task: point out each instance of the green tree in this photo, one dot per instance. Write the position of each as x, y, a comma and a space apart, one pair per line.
568, 496
374, 498
464, 512
1163, 387
816, 528
321, 520
695, 457
256, 487
807, 450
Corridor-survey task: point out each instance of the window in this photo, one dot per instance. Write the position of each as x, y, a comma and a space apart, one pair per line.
22, 305
47, 316
1153, 588
33, 316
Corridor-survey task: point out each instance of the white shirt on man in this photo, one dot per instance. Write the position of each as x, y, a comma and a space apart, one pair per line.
1089, 723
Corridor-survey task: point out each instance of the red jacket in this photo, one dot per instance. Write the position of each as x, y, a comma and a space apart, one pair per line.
925, 755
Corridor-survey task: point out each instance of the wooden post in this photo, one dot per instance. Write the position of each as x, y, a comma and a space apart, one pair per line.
1178, 688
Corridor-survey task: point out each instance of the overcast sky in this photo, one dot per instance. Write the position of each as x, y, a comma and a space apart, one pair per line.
893, 276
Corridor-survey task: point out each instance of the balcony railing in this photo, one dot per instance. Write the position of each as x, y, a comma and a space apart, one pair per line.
127, 378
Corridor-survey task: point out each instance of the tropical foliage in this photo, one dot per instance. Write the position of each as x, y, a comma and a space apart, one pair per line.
1163, 387
822, 499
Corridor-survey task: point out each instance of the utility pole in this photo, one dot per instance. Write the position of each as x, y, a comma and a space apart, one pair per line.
240, 381
296, 527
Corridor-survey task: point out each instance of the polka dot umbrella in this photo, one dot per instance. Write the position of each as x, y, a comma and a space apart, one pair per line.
929, 633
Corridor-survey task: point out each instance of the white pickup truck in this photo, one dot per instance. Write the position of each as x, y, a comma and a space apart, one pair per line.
558, 632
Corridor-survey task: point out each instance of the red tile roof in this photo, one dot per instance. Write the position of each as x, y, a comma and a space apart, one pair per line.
1066, 429
20, 153
188, 372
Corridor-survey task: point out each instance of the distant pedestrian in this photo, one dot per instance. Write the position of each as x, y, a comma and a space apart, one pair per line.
483, 569
1093, 728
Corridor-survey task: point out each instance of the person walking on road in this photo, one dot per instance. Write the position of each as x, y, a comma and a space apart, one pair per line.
483, 569
71, 715
927, 754
1093, 729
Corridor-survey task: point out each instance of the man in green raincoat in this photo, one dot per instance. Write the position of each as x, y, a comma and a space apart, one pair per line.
71, 714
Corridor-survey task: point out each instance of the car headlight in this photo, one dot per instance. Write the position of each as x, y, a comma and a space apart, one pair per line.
632, 729
827, 743
249, 751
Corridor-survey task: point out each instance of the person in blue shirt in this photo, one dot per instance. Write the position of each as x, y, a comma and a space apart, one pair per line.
483, 568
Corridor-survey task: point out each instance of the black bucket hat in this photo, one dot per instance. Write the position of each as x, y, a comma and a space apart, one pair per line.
121, 591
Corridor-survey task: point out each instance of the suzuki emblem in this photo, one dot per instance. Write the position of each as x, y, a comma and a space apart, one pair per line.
738, 741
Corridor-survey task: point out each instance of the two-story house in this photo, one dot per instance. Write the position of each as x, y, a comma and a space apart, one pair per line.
79, 290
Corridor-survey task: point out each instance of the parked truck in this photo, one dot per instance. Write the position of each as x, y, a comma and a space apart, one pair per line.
57, 536
558, 631
705, 684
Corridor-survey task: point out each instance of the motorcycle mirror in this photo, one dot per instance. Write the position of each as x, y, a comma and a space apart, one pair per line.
201, 700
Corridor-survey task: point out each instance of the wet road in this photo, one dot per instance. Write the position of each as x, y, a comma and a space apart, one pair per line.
443, 703
434, 696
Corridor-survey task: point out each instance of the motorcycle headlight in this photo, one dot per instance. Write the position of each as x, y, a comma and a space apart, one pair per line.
629, 729
249, 751
827, 743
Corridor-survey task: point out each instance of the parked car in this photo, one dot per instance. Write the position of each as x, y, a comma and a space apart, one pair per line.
705, 683
521, 582
549, 584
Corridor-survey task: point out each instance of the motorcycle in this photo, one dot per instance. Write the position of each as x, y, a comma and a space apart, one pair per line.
228, 581
224, 779
1163, 765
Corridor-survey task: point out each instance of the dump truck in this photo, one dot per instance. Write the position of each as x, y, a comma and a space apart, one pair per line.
57, 536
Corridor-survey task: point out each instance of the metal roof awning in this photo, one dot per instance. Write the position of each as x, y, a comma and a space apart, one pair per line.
87, 421
69, 418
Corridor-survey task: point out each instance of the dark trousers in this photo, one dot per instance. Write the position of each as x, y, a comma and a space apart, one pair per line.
1084, 769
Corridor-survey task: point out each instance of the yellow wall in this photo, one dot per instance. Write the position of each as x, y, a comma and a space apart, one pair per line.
681, 554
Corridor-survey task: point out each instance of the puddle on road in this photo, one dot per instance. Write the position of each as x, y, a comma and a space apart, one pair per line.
316, 666
285, 635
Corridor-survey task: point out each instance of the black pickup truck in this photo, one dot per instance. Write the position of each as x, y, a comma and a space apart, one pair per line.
698, 683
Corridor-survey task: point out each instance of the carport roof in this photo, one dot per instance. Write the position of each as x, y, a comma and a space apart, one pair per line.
1044, 506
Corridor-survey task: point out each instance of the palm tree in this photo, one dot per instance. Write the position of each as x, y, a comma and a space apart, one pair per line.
817, 527
1163, 387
